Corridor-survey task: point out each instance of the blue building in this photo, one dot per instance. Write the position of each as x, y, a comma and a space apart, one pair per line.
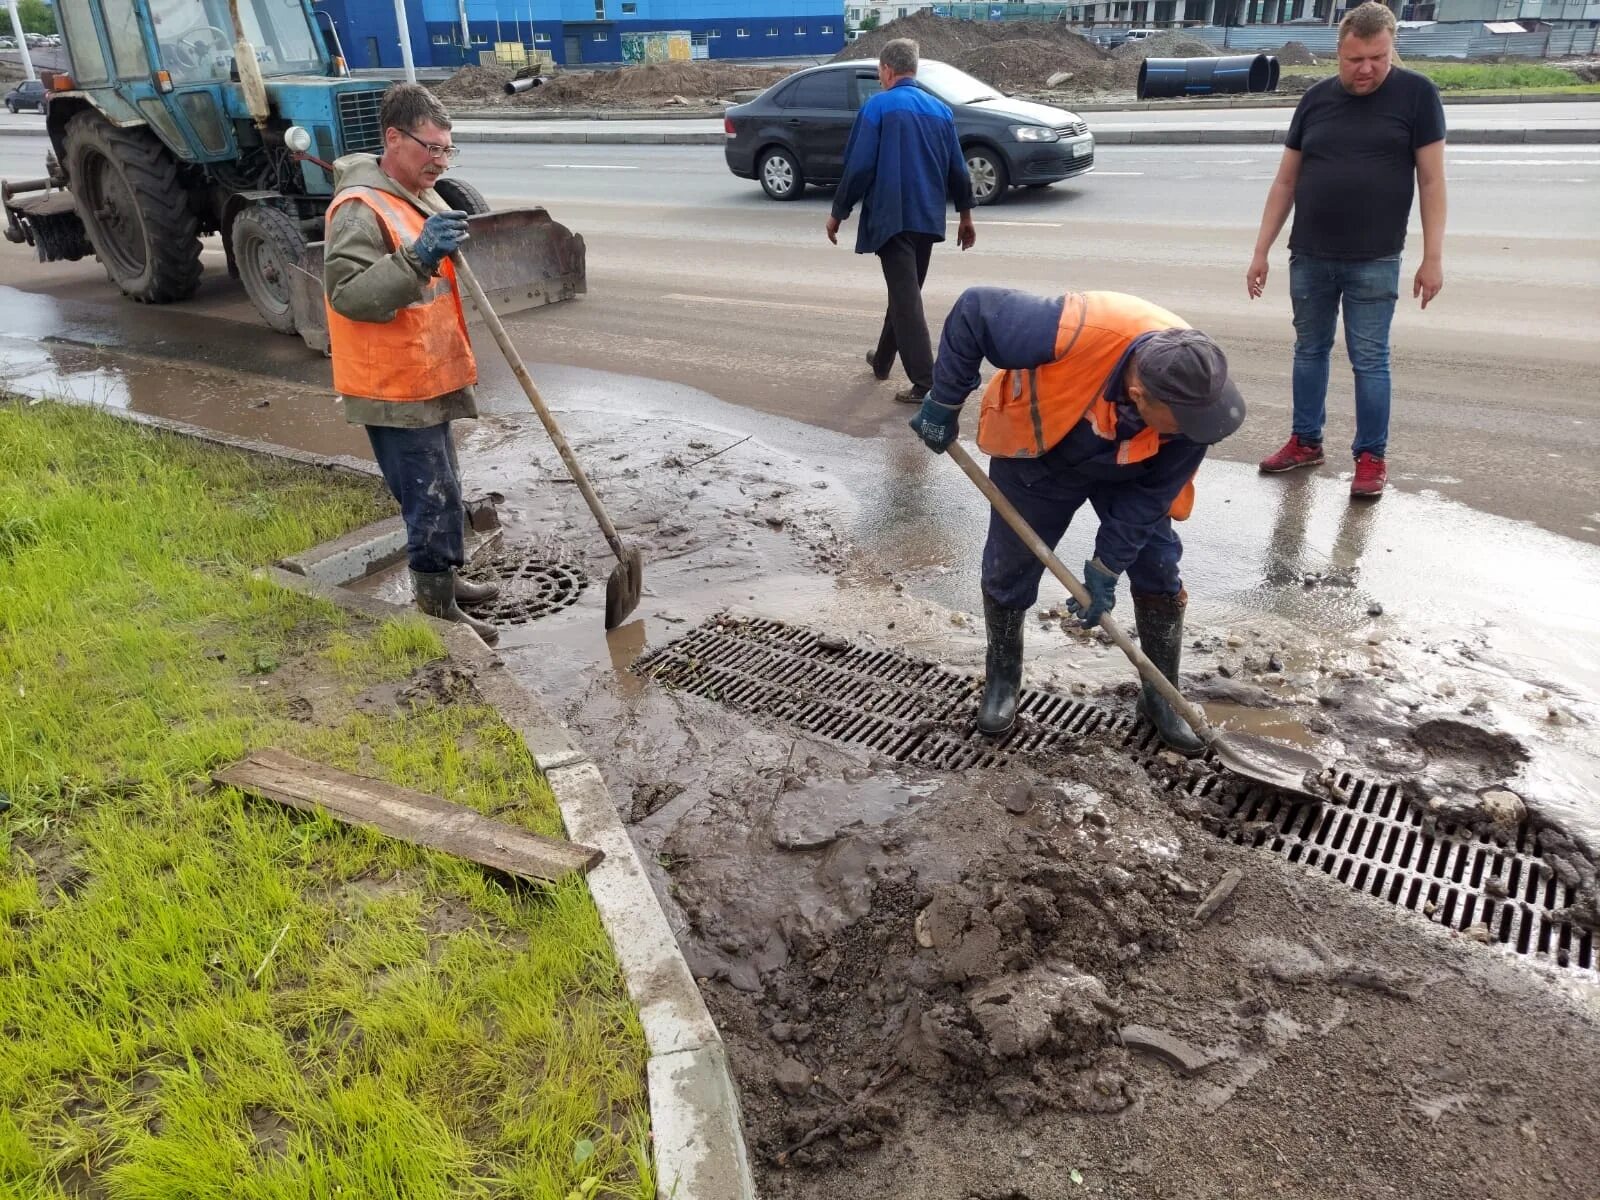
574, 32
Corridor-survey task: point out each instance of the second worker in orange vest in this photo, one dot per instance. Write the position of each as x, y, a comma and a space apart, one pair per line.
401, 358
1104, 398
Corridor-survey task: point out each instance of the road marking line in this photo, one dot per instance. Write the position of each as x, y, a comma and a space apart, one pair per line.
1524, 162
584, 167
737, 302
1024, 224
1126, 174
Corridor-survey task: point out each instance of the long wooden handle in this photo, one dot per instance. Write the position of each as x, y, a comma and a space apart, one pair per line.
1034, 542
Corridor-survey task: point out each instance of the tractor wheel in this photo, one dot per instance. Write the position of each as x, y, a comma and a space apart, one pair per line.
267, 246
134, 208
461, 195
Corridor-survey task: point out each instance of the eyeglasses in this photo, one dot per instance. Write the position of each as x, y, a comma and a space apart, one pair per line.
447, 153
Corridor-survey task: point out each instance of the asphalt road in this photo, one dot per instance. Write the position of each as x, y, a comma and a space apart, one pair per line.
695, 277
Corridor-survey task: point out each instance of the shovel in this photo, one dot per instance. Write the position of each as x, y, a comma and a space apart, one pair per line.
1254, 758
627, 577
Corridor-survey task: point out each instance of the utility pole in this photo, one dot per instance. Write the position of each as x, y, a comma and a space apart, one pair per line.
22, 41
466, 33
405, 40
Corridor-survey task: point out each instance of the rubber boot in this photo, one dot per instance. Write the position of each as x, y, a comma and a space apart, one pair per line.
435, 593
1160, 623
475, 593
1002, 669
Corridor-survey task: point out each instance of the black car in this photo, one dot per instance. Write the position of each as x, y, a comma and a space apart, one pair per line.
794, 132
27, 94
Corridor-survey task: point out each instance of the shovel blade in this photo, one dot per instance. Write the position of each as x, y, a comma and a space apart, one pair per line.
624, 588
1272, 763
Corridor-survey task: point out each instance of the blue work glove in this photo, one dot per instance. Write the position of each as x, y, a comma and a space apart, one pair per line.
442, 233
937, 424
1101, 585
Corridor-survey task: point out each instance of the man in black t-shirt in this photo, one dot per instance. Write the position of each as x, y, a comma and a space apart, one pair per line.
1353, 148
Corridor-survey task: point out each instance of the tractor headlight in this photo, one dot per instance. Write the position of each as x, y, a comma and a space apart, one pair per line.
297, 139
1034, 133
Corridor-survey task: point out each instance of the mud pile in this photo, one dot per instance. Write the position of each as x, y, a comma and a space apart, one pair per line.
1005, 54
1164, 45
1296, 54
695, 84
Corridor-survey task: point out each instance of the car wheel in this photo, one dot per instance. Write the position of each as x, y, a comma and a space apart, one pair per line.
988, 172
781, 177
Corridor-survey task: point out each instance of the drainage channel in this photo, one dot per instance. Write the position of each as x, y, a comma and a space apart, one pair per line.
1368, 837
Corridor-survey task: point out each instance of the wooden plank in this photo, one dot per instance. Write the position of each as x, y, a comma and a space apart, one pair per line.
414, 817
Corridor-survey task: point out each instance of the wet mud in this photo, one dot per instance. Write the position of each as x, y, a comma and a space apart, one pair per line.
1049, 977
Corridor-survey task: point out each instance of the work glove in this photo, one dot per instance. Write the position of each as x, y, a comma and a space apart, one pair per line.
937, 424
1101, 585
442, 233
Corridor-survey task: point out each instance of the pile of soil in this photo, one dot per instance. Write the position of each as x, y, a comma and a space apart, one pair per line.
1171, 44
1296, 54
1009, 55
695, 84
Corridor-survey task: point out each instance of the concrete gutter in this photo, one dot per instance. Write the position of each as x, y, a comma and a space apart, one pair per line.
696, 1132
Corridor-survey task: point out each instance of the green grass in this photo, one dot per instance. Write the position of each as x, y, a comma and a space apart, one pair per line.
1481, 77
201, 994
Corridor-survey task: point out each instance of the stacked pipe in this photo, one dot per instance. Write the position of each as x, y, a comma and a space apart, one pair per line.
1160, 78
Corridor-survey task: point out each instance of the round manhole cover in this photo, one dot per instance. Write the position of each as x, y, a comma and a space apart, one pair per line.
530, 587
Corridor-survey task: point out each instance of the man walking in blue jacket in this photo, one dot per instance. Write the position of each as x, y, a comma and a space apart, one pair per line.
905, 161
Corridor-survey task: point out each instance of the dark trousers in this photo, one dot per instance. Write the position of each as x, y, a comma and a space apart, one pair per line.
905, 329
1047, 500
419, 465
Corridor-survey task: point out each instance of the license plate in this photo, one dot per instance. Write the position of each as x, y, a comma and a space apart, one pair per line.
1081, 149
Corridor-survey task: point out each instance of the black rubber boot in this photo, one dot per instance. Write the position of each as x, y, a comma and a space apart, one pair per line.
1003, 668
475, 593
1160, 623
435, 593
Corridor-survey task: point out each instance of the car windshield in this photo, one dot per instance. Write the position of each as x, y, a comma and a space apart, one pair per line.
196, 38
953, 86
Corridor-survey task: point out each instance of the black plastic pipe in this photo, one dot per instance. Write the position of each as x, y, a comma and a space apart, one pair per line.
1160, 78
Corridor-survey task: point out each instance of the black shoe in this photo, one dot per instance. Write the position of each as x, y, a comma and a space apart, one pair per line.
435, 595
872, 361
475, 593
1160, 623
912, 395
1002, 668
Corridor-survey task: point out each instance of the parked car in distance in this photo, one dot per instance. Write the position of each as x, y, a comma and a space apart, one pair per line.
27, 94
1139, 35
7, 44
794, 133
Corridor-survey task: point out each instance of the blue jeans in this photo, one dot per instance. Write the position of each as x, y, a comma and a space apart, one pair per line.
1368, 289
1047, 500
419, 465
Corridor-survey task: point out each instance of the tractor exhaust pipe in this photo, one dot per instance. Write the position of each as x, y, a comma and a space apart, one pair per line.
250, 81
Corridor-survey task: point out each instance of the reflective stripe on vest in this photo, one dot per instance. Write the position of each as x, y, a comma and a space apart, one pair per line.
424, 351
1026, 413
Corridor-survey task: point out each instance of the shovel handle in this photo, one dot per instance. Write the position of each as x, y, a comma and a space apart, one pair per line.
1147, 669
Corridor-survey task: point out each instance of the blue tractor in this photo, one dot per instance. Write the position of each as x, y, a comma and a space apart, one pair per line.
180, 119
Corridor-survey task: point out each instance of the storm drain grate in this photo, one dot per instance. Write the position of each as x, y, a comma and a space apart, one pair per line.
1368, 837
530, 587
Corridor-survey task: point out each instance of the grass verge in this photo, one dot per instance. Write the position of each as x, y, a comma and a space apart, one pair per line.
1481, 77
202, 995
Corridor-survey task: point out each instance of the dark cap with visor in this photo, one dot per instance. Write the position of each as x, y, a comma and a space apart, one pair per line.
1188, 372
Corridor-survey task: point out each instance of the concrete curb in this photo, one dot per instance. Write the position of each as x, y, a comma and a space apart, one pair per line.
697, 1135
1217, 136
694, 1105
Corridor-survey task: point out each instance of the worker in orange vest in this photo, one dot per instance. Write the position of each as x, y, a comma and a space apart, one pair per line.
401, 358
1101, 397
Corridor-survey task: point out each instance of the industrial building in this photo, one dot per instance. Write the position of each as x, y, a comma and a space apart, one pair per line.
574, 32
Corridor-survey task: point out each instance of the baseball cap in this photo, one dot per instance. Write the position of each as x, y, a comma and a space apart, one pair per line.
1188, 372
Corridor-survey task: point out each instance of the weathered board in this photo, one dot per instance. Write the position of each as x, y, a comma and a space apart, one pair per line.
414, 817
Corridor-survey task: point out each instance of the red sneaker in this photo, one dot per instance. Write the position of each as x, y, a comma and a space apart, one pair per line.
1295, 453
1371, 473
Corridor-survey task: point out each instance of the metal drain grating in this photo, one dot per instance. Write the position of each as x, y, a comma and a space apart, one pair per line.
1369, 837
530, 587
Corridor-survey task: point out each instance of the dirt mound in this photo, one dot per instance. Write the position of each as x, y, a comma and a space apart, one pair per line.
690, 83
1296, 54
1005, 54
1165, 45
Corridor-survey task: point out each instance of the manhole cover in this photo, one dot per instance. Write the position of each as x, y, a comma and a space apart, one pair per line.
530, 586
1368, 837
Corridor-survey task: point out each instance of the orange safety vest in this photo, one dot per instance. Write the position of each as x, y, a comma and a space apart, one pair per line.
423, 352
1027, 412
